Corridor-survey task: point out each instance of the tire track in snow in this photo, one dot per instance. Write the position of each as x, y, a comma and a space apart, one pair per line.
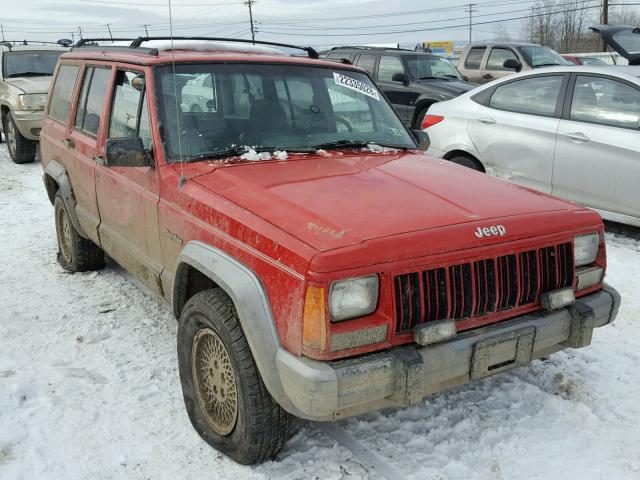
367, 457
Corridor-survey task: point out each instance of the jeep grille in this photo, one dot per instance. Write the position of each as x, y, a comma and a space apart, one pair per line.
475, 289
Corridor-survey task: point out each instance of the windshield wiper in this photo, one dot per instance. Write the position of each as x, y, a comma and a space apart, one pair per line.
29, 74
548, 65
440, 77
357, 144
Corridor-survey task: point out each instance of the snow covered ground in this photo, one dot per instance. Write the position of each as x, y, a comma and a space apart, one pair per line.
89, 386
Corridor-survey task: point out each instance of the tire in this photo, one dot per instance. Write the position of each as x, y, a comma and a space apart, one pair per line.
75, 254
466, 162
421, 114
249, 426
21, 149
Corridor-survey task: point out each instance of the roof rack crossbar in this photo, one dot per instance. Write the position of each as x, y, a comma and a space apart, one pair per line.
310, 51
365, 47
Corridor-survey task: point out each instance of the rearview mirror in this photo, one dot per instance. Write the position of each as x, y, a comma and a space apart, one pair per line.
126, 152
399, 77
423, 139
512, 64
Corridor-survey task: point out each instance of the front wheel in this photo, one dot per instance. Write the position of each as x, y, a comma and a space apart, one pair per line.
21, 149
225, 397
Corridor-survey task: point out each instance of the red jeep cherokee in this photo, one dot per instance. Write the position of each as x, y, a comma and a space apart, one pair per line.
320, 265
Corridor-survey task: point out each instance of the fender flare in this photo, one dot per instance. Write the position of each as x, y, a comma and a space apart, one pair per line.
252, 304
58, 174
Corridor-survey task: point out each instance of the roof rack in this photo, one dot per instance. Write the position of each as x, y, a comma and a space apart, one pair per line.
16, 43
92, 44
310, 51
364, 47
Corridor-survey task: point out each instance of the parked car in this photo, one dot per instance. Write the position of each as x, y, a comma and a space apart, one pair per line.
412, 81
309, 273
573, 132
582, 60
623, 39
483, 62
25, 74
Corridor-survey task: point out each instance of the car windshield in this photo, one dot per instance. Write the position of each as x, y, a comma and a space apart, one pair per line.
211, 110
29, 62
430, 66
537, 56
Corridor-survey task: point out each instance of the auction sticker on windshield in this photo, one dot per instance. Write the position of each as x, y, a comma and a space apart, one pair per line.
355, 85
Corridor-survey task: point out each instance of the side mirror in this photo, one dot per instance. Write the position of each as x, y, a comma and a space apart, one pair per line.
512, 64
423, 139
126, 152
399, 77
465, 78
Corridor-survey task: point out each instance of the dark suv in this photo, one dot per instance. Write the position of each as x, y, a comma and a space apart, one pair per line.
411, 80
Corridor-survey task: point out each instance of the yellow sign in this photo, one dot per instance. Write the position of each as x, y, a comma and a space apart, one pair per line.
444, 47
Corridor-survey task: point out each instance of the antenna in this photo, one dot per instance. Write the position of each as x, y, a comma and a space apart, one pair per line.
183, 179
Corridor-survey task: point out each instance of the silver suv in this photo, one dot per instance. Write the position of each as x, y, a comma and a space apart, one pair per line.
25, 75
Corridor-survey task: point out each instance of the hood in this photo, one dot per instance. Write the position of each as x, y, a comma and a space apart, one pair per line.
449, 88
623, 39
338, 201
31, 84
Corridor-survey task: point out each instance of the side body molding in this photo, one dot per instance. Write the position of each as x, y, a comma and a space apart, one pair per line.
58, 173
251, 302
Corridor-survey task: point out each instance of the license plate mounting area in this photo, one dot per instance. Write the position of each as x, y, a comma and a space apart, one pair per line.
502, 352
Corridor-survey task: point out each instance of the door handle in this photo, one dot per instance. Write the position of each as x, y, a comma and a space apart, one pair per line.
487, 120
577, 136
487, 75
68, 142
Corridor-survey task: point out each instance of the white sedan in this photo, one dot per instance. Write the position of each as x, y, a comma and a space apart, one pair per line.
573, 132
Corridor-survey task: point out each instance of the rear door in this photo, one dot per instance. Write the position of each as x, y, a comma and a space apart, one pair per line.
469, 66
514, 131
128, 196
597, 160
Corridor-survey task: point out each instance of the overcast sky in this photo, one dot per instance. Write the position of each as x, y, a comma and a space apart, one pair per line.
309, 22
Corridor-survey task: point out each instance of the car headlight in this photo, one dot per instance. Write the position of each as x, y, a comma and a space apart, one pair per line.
585, 248
352, 298
32, 101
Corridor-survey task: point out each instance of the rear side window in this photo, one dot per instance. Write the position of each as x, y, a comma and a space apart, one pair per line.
474, 58
62, 92
604, 101
366, 62
94, 90
536, 96
497, 58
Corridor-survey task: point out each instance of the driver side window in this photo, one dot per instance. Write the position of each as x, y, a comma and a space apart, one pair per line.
388, 67
498, 56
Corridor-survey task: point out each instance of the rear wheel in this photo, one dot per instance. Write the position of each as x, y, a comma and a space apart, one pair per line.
466, 161
75, 253
419, 117
225, 397
21, 149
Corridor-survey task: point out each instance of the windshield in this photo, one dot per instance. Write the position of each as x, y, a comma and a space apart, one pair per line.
223, 107
542, 57
429, 66
29, 62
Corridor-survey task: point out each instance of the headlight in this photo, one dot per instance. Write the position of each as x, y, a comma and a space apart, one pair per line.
585, 248
32, 101
352, 298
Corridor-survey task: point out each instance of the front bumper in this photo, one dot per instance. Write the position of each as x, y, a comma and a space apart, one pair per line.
29, 123
405, 375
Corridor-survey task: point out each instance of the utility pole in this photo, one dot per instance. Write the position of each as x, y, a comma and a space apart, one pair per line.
73, 38
250, 3
80, 32
605, 19
145, 29
2, 28
471, 11
109, 28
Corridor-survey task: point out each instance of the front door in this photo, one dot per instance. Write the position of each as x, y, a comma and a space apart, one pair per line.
494, 67
396, 91
597, 160
128, 196
515, 133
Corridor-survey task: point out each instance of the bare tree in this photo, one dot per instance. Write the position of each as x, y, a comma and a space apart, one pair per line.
619, 15
500, 33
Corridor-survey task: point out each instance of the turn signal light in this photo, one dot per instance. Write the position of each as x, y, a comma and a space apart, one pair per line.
314, 320
430, 120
